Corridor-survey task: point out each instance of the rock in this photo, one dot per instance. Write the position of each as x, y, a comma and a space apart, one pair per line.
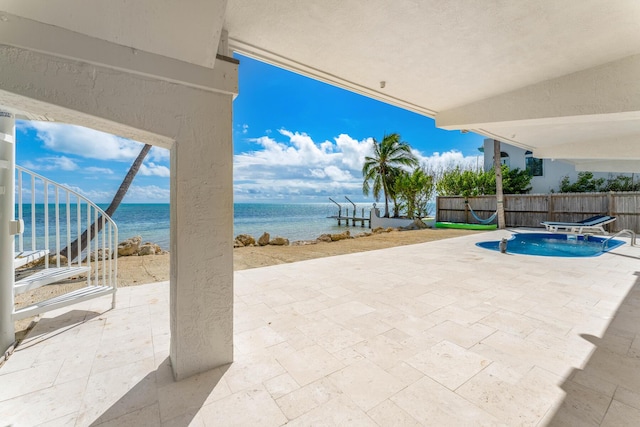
100, 255
130, 246
377, 230
304, 242
279, 241
237, 244
147, 249
246, 239
53, 261
157, 248
364, 234
418, 224
324, 238
341, 236
264, 239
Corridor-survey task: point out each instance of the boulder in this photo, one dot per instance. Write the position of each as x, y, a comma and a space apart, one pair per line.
341, 236
264, 239
100, 255
130, 246
246, 239
418, 224
279, 241
324, 238
237, 244
377, 230
147, 249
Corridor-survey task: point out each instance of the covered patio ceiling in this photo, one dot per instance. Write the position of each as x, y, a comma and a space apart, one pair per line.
557, 78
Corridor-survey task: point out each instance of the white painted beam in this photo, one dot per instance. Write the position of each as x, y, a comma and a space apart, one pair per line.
38, 37
606, 93
627, 147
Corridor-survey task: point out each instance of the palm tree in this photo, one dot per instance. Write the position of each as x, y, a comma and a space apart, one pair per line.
117, 199
379, 170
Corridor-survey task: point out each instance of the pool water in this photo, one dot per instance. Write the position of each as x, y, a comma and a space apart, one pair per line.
558, 245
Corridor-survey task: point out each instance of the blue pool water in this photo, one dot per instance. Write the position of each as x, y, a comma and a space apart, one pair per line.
558, 245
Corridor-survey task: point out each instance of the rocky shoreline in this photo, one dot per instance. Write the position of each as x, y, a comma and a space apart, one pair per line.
246, 240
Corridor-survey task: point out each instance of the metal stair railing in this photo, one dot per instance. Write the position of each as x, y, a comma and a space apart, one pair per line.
54, 216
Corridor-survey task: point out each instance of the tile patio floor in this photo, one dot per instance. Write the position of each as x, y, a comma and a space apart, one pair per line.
441, 333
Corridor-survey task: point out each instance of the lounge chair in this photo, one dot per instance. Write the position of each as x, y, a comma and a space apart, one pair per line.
594, 225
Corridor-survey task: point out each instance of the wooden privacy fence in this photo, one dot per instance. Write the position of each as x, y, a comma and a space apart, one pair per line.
529, 210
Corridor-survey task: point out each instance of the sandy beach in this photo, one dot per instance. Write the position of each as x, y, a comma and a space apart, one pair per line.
139, 270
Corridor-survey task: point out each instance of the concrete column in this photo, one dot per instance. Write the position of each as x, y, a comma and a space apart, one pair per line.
7, 216
202, 241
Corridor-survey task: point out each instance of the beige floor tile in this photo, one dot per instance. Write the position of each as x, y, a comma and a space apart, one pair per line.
383, 351
281, 385
433, 404
252, 407
309, 397
25, 381
366, 384
449, 364
462, 335
310, 364
330, 335
147, 416
581, 406
621, 415
389, 414
628, 397
336, 412
44, 405
257, 339
251, 370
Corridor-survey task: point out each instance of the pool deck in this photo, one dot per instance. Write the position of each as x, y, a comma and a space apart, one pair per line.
439, 333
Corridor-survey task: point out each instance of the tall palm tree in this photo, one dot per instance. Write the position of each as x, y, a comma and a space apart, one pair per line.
379, 170
117, 199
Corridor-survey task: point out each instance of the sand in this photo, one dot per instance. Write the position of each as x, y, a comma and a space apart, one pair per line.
138, 270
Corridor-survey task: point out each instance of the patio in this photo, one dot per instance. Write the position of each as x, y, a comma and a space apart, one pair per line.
441, 333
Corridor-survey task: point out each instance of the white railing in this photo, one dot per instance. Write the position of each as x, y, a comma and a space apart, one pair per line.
54, 217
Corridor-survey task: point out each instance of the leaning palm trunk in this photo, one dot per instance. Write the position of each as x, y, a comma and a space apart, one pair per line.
499, 197
117, 199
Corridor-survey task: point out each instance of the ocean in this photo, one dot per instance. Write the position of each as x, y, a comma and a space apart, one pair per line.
304, 221
295, 221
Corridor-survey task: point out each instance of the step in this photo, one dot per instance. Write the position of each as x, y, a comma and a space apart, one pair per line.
70, 298
47, 276
26, 257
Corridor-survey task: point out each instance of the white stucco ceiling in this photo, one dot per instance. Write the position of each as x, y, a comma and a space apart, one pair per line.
541, 74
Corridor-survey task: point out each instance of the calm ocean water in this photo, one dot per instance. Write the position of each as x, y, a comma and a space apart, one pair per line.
293, 221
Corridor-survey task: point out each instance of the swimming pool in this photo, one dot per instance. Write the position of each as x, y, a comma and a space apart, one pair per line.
558, 245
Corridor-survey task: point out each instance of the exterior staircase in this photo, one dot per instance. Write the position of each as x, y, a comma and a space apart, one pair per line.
52, 217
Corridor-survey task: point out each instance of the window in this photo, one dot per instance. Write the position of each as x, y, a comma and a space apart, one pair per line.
533, 165
504, 159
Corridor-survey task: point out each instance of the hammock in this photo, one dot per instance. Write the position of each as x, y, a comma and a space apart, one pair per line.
480, 220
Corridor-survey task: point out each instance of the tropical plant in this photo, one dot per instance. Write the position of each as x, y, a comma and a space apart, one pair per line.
469, 183
414, 189
380, 169
585, 183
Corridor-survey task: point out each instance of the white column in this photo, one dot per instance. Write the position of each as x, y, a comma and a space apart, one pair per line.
7, 216
202, 241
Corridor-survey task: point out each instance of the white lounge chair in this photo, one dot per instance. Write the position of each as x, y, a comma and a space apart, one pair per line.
595, 224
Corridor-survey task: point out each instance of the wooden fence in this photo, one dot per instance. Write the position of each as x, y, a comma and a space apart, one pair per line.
529, 210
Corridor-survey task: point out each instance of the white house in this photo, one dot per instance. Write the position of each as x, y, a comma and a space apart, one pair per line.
546, 173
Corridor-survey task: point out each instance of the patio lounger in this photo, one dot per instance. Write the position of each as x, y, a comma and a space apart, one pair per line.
594, 224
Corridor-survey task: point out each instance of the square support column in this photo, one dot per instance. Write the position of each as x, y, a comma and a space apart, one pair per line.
202, 241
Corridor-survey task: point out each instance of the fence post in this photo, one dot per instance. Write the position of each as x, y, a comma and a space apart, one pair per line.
550, 214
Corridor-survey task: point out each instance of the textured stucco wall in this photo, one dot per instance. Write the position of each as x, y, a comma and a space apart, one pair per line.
156, 111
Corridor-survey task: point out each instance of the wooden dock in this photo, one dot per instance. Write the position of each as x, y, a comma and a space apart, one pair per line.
353, 218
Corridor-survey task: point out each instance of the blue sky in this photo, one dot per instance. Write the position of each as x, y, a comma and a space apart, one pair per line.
295, 140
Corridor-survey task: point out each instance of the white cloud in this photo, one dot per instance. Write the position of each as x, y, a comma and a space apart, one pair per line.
245, 128
97, 170
158, 154
148, 193
152, 169
85, 142
449, 159
52, 163
298, 167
